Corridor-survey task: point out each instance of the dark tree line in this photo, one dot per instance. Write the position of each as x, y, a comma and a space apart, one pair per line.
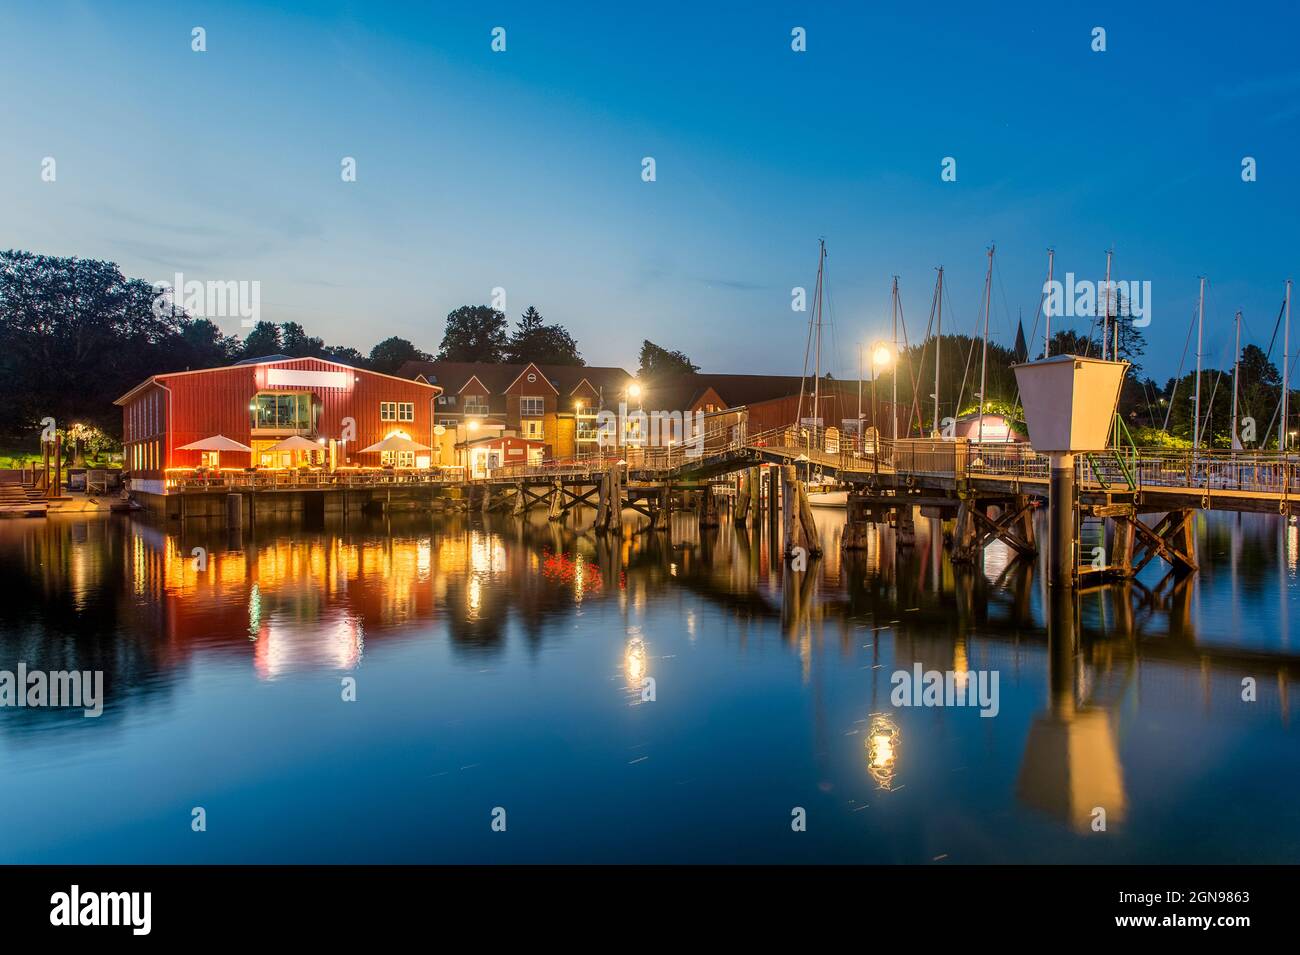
75, 334
482, 333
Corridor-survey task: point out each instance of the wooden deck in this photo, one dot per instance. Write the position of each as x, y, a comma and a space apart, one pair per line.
17, 500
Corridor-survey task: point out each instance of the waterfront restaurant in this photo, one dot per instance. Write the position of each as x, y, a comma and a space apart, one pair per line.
259, 405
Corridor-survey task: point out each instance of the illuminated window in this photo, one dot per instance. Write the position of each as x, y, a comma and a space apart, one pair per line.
532, 428
396, 411
290, 411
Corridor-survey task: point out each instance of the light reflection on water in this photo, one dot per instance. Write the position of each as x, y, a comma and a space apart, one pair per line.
503, 663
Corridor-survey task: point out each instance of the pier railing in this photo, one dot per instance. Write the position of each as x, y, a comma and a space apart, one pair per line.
268, 479
1206, 471
728, 446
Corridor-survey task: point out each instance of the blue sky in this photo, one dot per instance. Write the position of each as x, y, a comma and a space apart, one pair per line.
522, 169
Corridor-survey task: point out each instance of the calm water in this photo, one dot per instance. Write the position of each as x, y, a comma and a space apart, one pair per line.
500, 664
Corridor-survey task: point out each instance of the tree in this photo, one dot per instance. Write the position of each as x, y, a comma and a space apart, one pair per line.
202, 345
1069, 342
389, 355
296, 343
959, 378
1132, 346
657, 362
265, 339
544, 344
74, 335
345, 356
474, 333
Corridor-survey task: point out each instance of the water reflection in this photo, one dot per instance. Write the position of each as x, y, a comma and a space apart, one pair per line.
883, 741
1122, 698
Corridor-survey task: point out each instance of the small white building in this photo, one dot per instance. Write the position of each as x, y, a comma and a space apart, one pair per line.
996, 430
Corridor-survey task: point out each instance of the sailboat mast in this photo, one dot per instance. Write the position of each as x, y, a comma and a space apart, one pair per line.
817, 375
1286, 369
1047, 307
938, 341
984, 356
1200, 323
893, 408
1105, 317
1236, 366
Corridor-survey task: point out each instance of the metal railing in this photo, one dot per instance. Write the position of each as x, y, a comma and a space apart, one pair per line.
270, 479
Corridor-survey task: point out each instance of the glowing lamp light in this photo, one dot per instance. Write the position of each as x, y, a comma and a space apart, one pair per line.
473, 425
634, 390
883, 739
882, 356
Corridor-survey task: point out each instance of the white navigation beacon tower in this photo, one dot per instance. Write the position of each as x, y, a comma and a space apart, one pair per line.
1069, 404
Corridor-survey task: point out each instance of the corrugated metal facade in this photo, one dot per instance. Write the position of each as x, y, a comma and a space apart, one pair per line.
216, 401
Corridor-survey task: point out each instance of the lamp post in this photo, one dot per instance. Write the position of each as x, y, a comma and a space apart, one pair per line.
882, 357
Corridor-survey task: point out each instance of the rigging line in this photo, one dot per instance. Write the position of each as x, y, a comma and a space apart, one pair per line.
1276, 325
807, 350
956, 336
1277, 408
976, 339
1174, 391
1146, 396
1006, 306
1209, 408
911, 370
1033, 337
925, 350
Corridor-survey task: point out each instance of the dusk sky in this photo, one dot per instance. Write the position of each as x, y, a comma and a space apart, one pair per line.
522, 169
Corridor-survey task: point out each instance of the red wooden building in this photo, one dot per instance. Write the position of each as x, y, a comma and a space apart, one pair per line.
261, 401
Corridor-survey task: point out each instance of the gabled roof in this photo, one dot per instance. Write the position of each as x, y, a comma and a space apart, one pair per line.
497, 378
469, 381
539, 372
265, 359
268, 360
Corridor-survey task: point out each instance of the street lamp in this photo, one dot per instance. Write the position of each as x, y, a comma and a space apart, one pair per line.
882, 357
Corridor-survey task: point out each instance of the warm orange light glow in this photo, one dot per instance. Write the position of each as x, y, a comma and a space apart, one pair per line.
883, 738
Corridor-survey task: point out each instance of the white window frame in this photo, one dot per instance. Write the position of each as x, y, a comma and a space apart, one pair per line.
540, 406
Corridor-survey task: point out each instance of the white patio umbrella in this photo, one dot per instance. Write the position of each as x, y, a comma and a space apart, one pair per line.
294, 443
395, 442
217, 443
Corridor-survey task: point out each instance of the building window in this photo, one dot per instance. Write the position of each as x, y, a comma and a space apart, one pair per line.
401, 459
476, 405
532, 428
396, 411
282, 411
447, 422
531, 407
